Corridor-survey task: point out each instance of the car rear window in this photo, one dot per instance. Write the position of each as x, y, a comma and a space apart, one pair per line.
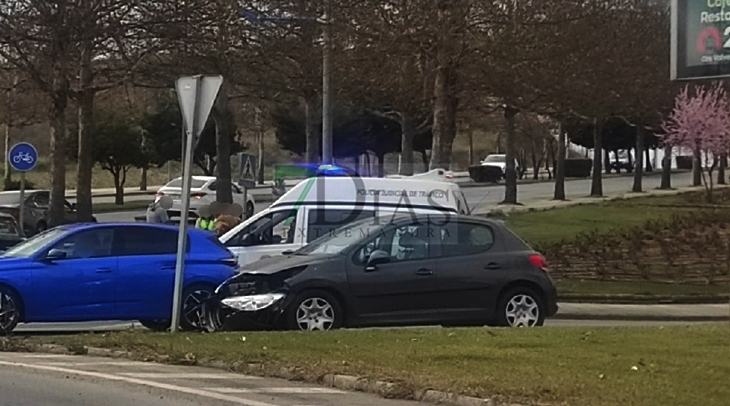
194, 183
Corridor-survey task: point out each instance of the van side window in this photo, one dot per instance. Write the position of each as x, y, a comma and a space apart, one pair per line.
274, 228
324, 221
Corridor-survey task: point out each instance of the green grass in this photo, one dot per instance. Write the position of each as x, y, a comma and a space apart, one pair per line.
571, 366
575, 287
551, 226
127, 206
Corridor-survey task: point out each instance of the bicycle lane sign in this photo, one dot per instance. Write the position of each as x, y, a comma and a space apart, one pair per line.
23, 157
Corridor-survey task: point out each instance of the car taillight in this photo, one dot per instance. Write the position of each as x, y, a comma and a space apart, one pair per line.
539, 262
198, 195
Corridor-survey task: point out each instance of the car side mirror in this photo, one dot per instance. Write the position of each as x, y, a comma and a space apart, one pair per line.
55, 254
377, 258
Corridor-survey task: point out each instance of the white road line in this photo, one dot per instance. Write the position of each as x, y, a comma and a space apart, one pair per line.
110, 377
155, 375
21, 355
120, 363
288, 390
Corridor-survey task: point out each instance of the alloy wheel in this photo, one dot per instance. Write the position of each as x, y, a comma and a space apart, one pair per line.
8, 313
193, 309
315, 314
522, 311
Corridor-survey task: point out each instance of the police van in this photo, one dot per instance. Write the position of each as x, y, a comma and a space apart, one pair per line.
320, 205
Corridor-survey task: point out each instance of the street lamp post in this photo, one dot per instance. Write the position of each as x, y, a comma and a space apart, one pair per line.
327, 149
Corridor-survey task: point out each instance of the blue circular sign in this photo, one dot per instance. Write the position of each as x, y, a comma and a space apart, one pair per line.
23, 157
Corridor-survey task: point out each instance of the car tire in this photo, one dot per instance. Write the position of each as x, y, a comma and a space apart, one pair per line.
520, 307
314, 310
11, 310
192, 316
249, 210
214, 318
156, 325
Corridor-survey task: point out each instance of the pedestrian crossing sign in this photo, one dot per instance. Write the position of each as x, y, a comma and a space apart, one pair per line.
247, 177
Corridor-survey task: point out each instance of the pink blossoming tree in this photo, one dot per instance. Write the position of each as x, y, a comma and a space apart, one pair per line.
700, 122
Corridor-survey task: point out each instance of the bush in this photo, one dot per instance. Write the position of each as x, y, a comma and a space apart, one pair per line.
684, 161
485, 173
578, 168
15, 185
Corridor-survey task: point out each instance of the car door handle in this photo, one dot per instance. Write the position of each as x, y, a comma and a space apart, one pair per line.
493, 265
424, 272
103, 270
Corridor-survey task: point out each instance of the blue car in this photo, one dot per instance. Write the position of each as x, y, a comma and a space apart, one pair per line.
91, 272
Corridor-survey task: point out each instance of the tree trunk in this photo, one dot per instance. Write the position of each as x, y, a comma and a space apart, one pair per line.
261, 164
444, 108
667, 168
499, 142
224, 192
425, 159
312, 154
631, 158
356, 161
510, 190
470, 133
697, 168
607, 161
560, 167
119, 177
85, 162
143, 179
9, 112
639, 172
405, 161
721, 170
57, 208
647, 157
597, 184
7, 175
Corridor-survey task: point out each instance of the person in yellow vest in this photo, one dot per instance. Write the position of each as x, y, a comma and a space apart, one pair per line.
206, 220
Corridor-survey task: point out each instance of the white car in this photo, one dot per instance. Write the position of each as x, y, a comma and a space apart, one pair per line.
500, 161
202, 192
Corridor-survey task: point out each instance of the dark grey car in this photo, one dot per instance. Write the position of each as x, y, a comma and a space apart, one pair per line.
37, 204
415, 270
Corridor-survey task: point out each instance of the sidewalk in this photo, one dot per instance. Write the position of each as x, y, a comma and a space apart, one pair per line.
669, 312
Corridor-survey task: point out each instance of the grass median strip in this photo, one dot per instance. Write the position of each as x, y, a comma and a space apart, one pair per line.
573, 366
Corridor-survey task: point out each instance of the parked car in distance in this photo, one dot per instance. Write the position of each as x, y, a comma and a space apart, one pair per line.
500, 161
202, 192
37, 204
10, 234
408, 270
107, 271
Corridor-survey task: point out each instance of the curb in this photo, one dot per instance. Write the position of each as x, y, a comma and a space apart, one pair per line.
643, 300
344, 382
638, 317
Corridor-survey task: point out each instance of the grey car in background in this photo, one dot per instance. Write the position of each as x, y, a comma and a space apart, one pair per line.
37, 204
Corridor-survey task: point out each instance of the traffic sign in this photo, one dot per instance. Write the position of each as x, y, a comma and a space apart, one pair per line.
23, 157
205, 90
247, 177
196, 95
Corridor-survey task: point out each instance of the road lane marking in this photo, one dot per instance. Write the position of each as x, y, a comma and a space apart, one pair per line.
162, 375
286, 390
110, 377
119, 363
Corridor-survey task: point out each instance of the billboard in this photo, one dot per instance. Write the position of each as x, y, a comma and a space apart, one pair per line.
700, 39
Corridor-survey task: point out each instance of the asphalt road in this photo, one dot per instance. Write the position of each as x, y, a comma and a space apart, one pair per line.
58, 380
478, 198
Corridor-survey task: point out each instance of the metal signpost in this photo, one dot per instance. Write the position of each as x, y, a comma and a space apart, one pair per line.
23, 157
247, 177
700, 40
196, 95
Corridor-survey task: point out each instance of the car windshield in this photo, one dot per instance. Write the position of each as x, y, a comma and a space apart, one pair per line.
194, 184
9, 198
336, 241
31, 246
496, 158
7, 226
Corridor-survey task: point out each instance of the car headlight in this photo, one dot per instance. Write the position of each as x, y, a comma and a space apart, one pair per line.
252, 303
